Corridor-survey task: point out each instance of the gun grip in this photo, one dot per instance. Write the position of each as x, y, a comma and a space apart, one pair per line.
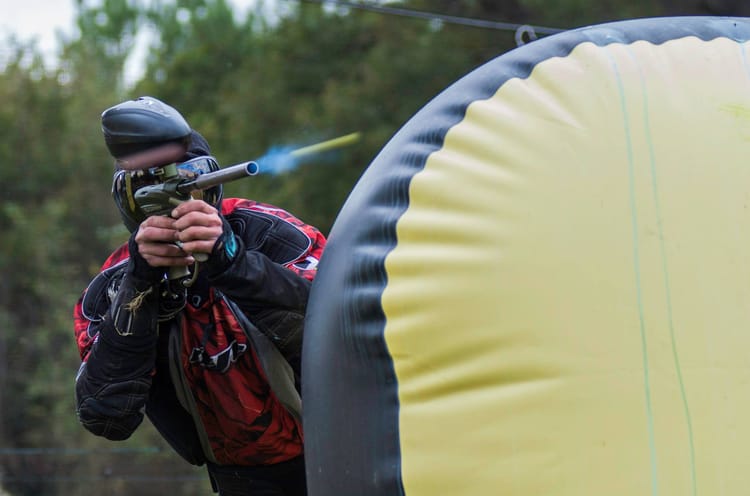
176, 273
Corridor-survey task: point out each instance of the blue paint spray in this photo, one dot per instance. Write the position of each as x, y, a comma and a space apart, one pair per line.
283, 159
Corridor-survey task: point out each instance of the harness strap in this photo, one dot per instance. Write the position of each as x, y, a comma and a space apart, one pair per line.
184, 395
278, 371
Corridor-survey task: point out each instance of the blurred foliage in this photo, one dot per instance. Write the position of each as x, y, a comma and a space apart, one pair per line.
289, 74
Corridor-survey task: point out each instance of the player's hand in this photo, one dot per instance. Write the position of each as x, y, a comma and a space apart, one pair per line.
156, 239
199, 226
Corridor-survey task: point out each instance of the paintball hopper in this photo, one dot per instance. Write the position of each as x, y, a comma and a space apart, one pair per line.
144, 133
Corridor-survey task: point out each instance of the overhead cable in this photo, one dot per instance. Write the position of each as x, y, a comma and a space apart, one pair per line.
523, 32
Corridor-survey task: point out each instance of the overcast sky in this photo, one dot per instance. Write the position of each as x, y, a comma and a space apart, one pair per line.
39, 19
42, 20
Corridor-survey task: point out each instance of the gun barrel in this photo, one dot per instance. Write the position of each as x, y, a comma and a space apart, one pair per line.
221, 176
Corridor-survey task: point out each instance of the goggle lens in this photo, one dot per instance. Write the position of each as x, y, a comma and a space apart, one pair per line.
196, 166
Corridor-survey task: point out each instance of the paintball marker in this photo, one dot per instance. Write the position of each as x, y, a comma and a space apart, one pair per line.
175, 183
162, 197
178, 180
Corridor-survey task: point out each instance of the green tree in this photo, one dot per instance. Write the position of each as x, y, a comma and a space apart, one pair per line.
32, 270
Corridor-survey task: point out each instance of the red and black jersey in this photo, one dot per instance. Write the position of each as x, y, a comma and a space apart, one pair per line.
190, 362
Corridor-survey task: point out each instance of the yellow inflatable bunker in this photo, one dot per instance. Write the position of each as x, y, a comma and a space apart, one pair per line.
541, 285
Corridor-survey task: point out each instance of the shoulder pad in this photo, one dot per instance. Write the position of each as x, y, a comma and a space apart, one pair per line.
278, 239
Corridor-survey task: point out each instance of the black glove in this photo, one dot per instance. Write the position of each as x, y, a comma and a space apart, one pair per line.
139, 267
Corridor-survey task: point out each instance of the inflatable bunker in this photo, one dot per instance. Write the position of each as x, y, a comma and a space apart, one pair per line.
541, 285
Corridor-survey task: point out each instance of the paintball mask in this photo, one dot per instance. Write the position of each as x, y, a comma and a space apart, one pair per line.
144, 192
153, 146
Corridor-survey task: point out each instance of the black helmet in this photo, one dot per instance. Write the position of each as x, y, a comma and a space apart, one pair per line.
135, 132
144, 123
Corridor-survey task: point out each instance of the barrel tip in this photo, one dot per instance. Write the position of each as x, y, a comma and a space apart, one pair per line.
252, 168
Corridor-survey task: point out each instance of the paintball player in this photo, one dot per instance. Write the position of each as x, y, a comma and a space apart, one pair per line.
197, 320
